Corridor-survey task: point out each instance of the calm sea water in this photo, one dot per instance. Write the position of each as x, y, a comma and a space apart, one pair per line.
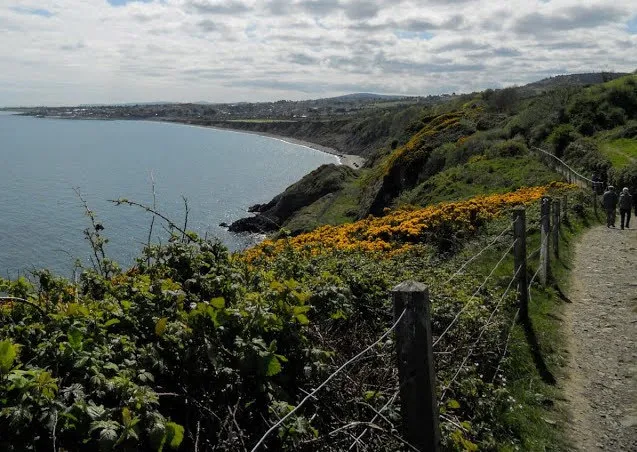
221, 173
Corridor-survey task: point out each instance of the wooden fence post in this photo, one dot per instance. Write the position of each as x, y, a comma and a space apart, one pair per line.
419, 407
556, 227
519, 258
545, 229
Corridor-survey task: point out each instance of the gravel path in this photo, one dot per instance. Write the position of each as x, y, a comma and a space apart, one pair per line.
601, 332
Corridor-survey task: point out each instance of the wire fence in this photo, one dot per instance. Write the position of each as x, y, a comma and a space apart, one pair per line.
407, 437
572, 175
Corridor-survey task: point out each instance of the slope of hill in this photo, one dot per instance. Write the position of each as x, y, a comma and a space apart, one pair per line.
197, 348
477, 132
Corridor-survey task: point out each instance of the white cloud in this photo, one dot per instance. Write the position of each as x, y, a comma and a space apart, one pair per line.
82, 51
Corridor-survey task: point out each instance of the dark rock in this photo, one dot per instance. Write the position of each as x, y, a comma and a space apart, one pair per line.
257, 208
223, 224
272, 216
255, 224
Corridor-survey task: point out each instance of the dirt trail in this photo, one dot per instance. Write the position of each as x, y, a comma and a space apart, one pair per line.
601, 331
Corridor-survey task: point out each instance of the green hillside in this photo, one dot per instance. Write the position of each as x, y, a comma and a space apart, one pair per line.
465, 141
196, 348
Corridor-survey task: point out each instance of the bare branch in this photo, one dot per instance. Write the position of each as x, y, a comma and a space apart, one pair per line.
152, 221
187, 212
170, 223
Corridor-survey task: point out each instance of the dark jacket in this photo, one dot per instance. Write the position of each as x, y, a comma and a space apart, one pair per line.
609, 200
625, 201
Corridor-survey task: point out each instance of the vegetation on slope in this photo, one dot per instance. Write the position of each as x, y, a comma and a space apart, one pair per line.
195, 348
449, 142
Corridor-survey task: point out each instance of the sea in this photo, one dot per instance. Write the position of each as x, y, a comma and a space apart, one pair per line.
44, 162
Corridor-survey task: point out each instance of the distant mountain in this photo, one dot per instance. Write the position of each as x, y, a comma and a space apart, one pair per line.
365, 97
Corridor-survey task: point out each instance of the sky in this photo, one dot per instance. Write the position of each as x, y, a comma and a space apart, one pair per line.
69, 52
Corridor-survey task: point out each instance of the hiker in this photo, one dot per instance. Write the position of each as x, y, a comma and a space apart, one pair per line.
609, 201
625, 203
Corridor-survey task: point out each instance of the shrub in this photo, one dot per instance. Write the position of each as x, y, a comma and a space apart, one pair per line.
626, 177
584, 154
508, 148
561, 137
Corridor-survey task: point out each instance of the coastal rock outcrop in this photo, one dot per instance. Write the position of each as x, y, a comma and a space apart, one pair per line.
273, 215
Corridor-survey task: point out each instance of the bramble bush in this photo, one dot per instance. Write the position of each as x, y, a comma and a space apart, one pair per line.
195, 347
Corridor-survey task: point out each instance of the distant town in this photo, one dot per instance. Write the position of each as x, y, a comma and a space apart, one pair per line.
283, 110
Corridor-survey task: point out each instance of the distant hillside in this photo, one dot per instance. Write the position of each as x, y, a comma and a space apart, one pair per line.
368, 97
590, 78
473, 144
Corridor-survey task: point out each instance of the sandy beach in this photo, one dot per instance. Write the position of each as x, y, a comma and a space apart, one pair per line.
353, 161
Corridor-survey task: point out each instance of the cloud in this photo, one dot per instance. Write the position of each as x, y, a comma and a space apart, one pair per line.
208, 25
72, 47
319, 7
362, 9
462, 44
567, 19
222, 7
303, 59
74, 51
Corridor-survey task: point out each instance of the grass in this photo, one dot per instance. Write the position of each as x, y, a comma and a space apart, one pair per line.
541, 420
497, 175
539, 414
621, 152
334, 209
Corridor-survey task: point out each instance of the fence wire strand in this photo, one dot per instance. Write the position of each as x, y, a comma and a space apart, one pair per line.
564, 163
327, 380
472, 347
376, 416
475, 256
506, 344
466, 305
482, 331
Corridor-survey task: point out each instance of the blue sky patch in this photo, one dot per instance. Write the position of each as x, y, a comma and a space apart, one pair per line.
632, 26
33, 11
423, 35
124, 2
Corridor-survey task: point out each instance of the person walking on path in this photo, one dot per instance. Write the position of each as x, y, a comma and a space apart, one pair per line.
625, 203
609, 201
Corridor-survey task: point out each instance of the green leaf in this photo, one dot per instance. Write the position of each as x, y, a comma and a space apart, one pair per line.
218, 303
75, 337
160, 326
273, 366
95, 411
174, 434
453, 404
126, 416
8, 353
369, 395
111, 322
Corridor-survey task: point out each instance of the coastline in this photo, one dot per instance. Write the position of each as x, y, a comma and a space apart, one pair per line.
353, 161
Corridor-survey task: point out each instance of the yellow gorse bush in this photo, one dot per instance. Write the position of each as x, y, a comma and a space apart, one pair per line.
399, 229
